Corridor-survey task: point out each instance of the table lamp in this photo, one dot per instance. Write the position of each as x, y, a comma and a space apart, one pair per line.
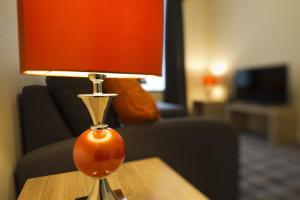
95, 39
209, 81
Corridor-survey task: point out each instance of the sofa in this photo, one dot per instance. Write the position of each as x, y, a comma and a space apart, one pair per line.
171, 110
204, 151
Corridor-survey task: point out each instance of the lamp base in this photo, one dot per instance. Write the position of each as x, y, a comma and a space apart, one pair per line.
119, 194
102, 191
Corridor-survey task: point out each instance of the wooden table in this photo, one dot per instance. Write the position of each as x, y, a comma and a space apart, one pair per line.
149, 179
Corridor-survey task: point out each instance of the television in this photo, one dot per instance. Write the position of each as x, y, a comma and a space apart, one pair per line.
264, 85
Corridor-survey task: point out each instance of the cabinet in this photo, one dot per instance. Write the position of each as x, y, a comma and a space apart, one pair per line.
209, 109
278, 122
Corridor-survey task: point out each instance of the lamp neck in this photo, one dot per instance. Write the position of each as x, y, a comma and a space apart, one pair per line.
97, 80
97, 87
97, 103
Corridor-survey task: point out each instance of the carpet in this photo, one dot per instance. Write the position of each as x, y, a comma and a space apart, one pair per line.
268, 172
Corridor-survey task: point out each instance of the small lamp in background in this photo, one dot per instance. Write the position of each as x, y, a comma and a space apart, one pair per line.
219, 93
209, 81
214, 83
219, 69
95, 39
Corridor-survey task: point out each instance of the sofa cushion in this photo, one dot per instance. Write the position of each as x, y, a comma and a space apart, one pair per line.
64, 91
42, 123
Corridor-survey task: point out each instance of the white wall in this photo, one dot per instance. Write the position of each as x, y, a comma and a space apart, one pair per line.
196, 14
255, 32
11, 83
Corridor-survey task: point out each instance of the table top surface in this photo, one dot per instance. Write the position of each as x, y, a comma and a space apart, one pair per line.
149, 179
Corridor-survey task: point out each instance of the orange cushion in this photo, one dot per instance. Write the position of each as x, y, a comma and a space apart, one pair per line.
133, 104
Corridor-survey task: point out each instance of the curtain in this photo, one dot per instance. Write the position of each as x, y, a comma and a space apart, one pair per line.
175, 91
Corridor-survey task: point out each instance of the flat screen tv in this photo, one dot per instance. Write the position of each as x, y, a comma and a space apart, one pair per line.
264, 85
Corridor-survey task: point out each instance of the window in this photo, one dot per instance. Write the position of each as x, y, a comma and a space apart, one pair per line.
155, 83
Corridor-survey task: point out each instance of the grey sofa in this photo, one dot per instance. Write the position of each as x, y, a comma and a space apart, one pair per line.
203, 151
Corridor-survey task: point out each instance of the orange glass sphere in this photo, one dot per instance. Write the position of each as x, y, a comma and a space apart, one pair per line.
99, 153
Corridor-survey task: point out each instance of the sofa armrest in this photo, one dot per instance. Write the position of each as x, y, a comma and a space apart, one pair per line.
170, 110
51, 159
204, 151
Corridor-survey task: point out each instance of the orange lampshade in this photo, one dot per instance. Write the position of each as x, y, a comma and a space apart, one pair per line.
210, 80
91, 36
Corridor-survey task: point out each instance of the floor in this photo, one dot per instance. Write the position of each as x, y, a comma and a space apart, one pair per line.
268, 172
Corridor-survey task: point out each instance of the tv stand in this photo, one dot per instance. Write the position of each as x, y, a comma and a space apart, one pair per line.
277, 121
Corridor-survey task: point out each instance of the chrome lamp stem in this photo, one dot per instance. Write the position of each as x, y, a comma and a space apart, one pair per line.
97, 105
102, 191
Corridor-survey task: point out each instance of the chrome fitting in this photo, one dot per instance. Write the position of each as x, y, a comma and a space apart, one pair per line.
97, 80
99, 127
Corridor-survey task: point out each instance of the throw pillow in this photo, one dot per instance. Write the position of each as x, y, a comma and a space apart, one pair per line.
133, 104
